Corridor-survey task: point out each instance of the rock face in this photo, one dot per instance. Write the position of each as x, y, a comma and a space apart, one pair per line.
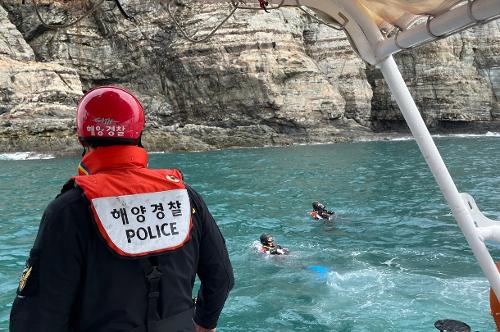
262, 79
454, 81
36, 99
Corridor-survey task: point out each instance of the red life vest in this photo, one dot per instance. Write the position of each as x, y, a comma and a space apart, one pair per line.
315, 215
138, 211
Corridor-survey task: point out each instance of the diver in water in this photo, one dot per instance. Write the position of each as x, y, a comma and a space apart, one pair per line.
320, 212
450, 325
269, 247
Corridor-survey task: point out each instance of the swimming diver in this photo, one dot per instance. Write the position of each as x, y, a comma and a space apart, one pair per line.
450, 325
271, 248
320, 212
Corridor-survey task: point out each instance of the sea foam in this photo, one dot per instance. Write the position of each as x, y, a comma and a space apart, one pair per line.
25, 156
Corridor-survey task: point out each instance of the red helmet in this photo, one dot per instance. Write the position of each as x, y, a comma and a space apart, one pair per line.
109, 113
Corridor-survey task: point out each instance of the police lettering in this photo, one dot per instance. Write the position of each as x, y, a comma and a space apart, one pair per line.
152, 232
123, 213
175, 208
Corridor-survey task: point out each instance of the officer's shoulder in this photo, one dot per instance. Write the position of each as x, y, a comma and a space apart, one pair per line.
69, 198
192, 193
65, 216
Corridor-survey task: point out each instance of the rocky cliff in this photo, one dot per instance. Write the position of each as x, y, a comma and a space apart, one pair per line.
263, 79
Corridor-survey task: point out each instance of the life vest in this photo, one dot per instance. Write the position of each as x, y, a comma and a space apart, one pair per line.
276, 250
266, 249
138, 211
315, 215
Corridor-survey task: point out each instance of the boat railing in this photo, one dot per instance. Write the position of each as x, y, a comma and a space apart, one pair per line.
488, 229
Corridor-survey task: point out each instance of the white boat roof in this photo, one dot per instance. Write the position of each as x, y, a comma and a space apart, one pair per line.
402, 13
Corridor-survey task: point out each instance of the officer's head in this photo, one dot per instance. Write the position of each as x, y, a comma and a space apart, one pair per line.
109, 115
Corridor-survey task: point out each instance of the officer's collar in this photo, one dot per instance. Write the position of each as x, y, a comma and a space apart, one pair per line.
112, 157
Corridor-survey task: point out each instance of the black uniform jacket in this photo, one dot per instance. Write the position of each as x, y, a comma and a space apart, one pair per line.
73, 282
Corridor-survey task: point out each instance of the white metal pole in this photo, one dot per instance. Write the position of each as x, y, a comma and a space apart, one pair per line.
436, 164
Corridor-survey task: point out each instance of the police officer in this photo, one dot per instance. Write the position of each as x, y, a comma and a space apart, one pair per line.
120, 247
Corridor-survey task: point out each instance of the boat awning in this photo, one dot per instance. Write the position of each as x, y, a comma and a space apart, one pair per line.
410, 23
389, 14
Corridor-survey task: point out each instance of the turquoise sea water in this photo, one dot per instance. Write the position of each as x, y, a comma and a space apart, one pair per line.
395, 260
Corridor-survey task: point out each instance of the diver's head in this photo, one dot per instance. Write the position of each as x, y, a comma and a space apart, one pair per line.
266, 239
318, 206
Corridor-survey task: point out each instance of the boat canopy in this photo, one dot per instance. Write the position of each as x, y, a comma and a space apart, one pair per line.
401, 14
